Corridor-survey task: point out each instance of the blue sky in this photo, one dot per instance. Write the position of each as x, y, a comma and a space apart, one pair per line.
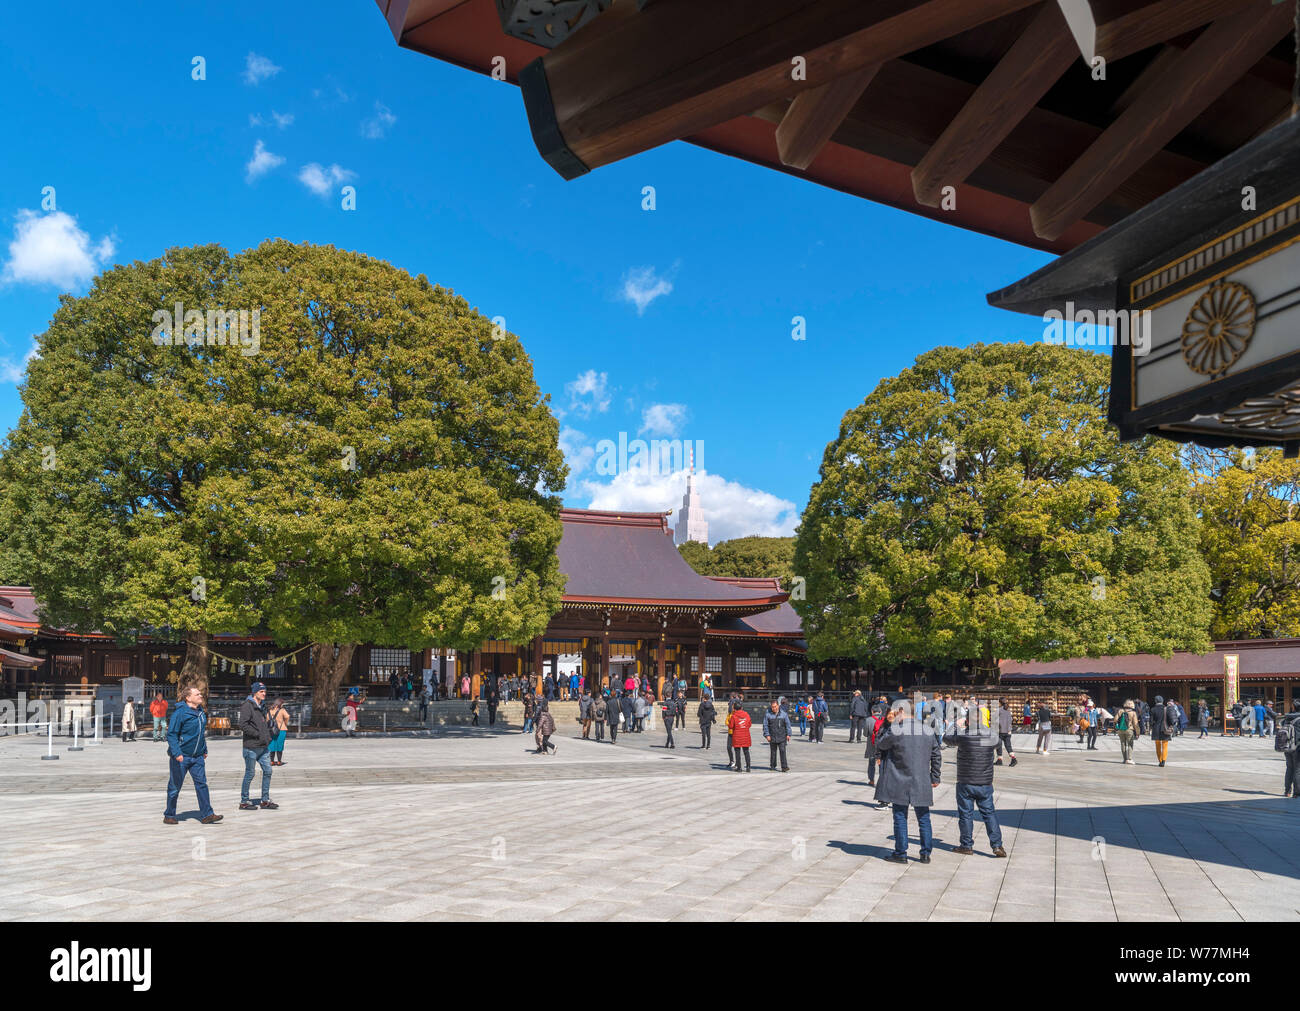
671, 323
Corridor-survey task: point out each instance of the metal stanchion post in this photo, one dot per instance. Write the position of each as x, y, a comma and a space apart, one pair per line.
76, 746
49, 749
300, 723
98, 739
385, 723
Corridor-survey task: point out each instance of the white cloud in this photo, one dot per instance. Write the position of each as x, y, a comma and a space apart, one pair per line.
589, 392
662, 419
731, 509
261, 163
641, 286
258, 68
578, 452
280, 119
51, 249
13, 372
320, 179
377, 125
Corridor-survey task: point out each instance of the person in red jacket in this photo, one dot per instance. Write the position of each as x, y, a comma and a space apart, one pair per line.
158, 710
738, 724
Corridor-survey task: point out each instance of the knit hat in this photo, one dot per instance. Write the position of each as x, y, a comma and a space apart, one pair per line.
256, 687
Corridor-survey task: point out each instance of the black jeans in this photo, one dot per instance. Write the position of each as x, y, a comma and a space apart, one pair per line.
1004, 741
600, 730
871, 767
731, 751
745, 752
681, 718
613, 730
778, 748
818, 727
855, 727
1092, 737
705, 729
669, 727
1291, 784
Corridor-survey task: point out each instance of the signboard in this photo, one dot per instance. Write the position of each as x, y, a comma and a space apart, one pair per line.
133, 688
1231, 664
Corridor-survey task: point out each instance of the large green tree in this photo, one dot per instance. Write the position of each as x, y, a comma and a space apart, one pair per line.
977, 507
379, 468
1249, 505
743, 556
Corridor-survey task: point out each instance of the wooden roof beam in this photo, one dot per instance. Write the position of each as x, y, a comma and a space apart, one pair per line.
1035, 61
1222, 53
1113, 29
635, 79
815, 115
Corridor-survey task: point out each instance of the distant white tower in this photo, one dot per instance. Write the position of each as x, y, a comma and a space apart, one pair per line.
691, 524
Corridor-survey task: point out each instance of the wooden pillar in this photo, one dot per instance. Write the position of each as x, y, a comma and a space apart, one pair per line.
537, 665
604, 658
1286, 697
661, 661
703, 653
1185, 699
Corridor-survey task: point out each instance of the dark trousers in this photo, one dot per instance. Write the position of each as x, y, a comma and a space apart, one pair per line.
1092, 738
681, 718
176, 779
778, 748
1004, 741
819, 725
705, 733
871, 767
424, 711
613, 730
669, 727
922, 823
600, 730
739, 753
855, 727
492, 715
1292, 782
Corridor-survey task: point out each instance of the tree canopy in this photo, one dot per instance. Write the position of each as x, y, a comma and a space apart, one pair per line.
378, 468
978, 507
1249, 504
743, 556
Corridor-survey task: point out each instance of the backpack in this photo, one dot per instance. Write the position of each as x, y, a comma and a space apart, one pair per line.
1122, 722
1287, 737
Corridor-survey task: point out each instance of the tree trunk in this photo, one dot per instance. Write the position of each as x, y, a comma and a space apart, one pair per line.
327, 675
194, 672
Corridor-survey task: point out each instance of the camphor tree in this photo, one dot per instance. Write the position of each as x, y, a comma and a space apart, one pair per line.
743, 556
1249, 505
978, 508
380, 470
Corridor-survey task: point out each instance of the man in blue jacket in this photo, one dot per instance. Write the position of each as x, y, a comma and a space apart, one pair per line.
820, 715
187, 748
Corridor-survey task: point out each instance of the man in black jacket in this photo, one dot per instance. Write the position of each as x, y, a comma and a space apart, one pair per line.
257, 737
707, 715
975, 746
857, 716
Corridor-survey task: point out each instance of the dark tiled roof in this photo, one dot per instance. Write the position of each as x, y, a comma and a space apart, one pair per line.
1259, 659
630, 558
8, 659
18, 607
780, 621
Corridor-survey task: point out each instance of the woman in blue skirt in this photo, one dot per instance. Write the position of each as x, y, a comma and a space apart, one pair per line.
278, 717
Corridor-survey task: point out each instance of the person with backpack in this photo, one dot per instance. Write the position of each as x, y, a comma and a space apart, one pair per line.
777, 731
1163, 722
1203, 719
670, 719
473, 712
874, 721
530, 709
680, 708
738, 724
278, 717
599, 713
584, 714
493, 700
1127, 728
821, 715
707, 715
1291, 752
545, 728
801, 710
1004, 733
351, 714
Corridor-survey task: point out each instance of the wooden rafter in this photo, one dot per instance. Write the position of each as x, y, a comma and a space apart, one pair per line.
815, 115
635, 79
1222, 53
1113, 29
1022, 77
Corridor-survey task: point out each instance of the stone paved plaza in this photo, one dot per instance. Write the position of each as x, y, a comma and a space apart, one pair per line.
469, 825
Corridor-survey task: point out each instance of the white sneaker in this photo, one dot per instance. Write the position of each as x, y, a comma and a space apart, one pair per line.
1046, 752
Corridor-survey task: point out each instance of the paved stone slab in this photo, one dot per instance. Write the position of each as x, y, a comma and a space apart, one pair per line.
468, 826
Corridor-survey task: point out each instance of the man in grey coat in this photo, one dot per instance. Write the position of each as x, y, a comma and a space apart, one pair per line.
908, 778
